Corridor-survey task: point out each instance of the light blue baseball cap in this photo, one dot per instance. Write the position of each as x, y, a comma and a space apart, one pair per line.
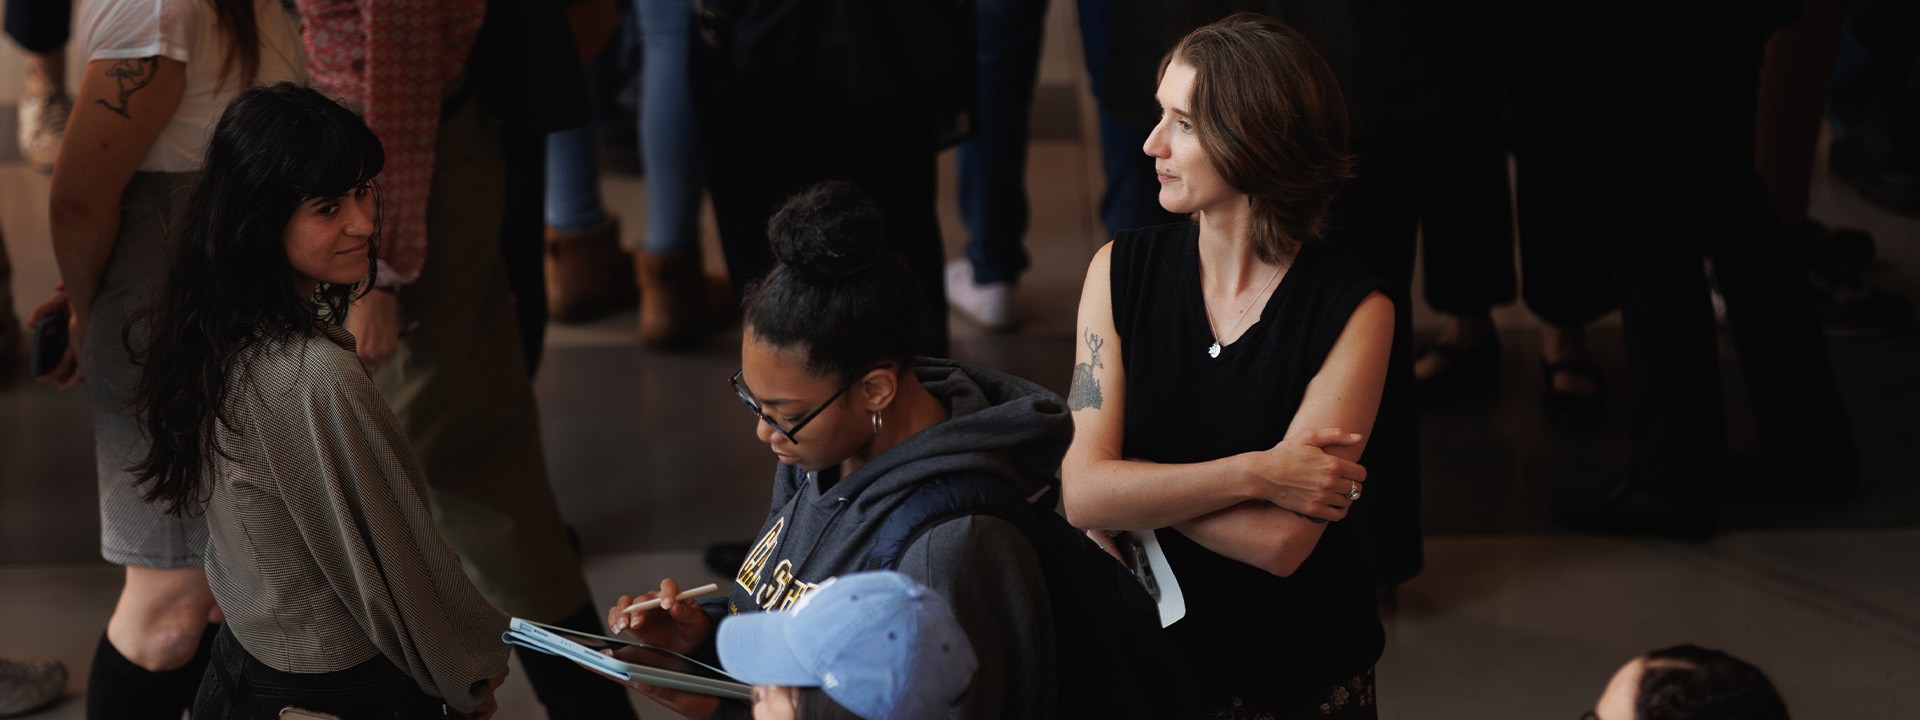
879, 644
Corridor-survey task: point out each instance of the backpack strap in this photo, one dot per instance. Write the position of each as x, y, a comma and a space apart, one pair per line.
945, 498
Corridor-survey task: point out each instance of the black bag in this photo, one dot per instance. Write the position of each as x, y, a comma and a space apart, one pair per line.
1113, 659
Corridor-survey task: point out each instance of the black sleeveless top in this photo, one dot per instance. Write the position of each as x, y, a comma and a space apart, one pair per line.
1247, 632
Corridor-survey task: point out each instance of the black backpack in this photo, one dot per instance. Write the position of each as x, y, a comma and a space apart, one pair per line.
1113, 659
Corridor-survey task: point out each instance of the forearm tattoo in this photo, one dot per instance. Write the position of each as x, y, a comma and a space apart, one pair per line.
131, 75
1086, 388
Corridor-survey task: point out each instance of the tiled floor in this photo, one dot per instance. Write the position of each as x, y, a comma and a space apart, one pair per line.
652, 461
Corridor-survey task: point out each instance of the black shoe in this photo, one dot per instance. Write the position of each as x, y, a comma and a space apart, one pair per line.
1578, 412
1628, 509
724, 559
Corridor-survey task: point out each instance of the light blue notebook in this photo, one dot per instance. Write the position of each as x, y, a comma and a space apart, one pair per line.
655, 666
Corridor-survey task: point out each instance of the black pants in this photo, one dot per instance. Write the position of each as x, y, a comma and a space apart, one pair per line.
239, 687
40, 26
1519, 85
1673, 94
759, 151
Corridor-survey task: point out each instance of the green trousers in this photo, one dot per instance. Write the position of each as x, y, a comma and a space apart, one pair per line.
460, 386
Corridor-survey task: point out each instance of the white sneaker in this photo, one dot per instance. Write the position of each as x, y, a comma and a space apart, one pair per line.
43, 121
30, 684
990, 306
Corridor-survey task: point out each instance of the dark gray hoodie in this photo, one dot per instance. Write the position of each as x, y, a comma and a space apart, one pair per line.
1000, 426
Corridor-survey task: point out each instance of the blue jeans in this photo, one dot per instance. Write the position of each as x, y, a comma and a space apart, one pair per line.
993, 165
668, 145
573, 181
1132, 197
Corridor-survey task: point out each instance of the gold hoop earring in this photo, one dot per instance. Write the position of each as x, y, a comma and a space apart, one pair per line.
877, 423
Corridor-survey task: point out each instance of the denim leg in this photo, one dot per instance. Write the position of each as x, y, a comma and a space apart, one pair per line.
1132, 197
667, 141
993, 165
573, 181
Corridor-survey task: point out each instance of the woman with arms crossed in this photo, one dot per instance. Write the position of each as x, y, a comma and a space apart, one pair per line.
340, 594
1229, 370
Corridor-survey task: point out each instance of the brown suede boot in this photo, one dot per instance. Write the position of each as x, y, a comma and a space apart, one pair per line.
586, 273
674, 310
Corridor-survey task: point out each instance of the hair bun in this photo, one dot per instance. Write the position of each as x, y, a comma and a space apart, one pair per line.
826, 232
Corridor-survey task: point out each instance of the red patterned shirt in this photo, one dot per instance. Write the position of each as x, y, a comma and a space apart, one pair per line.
394, 59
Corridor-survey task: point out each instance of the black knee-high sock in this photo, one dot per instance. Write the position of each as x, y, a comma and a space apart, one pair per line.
118, 689
568, 690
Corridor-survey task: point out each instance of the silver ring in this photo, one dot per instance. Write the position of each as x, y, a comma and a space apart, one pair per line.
1353, 492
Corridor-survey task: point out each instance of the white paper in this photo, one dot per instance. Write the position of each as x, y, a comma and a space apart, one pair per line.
1156, 575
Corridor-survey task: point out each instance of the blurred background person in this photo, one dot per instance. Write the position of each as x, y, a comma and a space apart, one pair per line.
790, 93
42, 28
1518, 88
1674, 143
158, 73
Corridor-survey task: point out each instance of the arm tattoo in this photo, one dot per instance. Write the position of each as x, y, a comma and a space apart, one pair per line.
131, 75
1086, 389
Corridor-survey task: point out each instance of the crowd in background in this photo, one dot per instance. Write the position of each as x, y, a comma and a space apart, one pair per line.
410, 191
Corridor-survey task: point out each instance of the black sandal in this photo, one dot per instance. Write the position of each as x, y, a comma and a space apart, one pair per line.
1574, 411
1458, 367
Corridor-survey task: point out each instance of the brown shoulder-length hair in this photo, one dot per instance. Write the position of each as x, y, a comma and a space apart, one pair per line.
1269, 114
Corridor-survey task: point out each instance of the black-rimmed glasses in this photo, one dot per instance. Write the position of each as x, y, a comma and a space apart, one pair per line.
753, 404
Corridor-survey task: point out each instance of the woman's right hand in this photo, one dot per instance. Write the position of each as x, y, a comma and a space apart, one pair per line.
66, 373
1300, 475
677, 625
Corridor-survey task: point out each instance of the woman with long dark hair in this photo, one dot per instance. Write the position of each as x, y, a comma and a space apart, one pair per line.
157, 74
1229, 373
340, 594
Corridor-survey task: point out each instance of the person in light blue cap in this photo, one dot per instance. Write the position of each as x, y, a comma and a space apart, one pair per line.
875, 645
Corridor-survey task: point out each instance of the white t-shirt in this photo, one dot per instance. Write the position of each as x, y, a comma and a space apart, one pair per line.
189, 31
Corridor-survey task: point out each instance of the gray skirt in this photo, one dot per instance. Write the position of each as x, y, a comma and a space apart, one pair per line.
133, 532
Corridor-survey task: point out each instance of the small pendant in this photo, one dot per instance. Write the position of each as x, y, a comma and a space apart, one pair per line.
1215, 350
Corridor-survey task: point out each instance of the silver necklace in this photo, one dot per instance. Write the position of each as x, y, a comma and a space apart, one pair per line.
1213, 351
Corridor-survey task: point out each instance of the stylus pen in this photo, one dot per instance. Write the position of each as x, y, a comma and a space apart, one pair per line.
684, 594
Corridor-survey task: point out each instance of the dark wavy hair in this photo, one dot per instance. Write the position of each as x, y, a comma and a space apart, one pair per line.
836, 292
1689, 682
1269, 113
231, 289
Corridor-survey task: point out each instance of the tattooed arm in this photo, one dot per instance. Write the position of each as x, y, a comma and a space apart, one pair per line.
1102, 489
121, 109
